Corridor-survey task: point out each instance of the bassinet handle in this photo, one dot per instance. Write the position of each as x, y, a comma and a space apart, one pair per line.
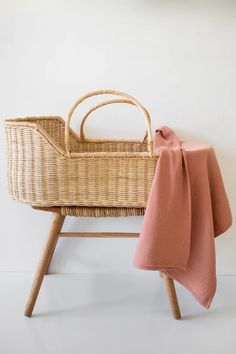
109, 92
104, 103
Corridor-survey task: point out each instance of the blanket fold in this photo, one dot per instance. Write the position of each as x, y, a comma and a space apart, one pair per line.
187, 207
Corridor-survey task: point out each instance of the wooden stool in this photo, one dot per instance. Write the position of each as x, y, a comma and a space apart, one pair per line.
50, 245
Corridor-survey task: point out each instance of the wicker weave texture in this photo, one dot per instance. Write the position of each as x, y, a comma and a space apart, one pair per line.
101, 211
102, 173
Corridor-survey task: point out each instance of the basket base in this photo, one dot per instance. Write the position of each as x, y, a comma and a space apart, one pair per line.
94, 211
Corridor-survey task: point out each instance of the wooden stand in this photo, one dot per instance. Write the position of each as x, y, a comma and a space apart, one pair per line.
48, 250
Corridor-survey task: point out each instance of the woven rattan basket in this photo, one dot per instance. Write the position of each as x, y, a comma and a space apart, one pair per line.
48, 164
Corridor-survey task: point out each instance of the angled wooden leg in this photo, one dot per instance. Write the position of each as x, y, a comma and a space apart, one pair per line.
170, 287
50, 258
54, 247
43, 264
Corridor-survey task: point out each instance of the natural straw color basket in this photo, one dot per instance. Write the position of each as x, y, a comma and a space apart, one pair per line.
50, 165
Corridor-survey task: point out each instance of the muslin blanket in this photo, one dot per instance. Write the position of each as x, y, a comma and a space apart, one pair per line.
186, 209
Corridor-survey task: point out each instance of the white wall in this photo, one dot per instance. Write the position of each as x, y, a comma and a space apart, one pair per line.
177, 57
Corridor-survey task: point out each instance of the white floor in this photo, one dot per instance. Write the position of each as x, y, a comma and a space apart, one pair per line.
115, 314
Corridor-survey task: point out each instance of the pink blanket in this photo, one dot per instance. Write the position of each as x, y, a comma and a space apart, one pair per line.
187, 207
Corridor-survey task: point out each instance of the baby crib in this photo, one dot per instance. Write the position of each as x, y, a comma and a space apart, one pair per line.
54, 169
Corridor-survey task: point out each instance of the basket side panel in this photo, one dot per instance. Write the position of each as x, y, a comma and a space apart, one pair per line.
30, 159
40, 176
55, 128
110, 182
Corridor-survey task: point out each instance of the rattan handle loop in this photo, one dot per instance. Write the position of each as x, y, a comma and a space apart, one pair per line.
109, 92
121, 100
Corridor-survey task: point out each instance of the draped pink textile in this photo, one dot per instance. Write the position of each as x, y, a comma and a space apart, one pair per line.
187, 207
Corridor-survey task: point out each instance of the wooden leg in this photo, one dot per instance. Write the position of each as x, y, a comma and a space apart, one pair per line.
43, 264
50, 258
54, 247
170, 287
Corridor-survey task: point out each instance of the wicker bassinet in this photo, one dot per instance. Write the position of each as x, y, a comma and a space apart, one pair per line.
50, 165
